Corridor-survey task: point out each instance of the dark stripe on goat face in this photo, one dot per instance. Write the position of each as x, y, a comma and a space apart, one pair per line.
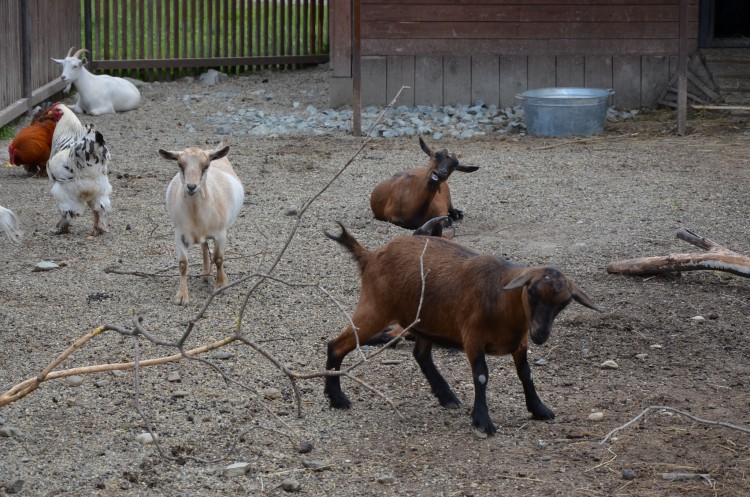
545, 302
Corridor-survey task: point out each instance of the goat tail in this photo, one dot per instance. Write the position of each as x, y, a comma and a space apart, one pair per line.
351, 244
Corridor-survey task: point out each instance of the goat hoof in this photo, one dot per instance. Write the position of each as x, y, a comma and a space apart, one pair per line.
542, 414
452, 404
487, 427
339, 401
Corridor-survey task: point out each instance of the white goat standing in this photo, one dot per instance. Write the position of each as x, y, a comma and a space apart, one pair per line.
203, 200
97, 94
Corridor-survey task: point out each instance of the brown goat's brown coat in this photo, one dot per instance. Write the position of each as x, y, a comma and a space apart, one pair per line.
480, 303
411, 198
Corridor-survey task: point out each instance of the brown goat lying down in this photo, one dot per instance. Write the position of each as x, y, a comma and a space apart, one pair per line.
411, 198
482, 304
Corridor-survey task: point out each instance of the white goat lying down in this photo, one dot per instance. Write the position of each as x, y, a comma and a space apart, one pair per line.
9, 224
97, 93
203, 200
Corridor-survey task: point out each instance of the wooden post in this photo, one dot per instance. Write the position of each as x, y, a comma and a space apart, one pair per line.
87, 29
682, 64
356, 69
26, 52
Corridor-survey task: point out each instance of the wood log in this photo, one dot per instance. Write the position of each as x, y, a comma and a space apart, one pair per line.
717, 258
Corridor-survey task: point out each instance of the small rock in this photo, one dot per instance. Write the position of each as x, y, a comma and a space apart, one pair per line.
10, 432
101, 383
609, 364
642, 357
271, 393
386, 480
596, 416
212, 77
146, 438
14, 487
541, 362
223, 355
546, 457
629, 474
45, 266
304, 447
178, 394
698, 319
315, 464
291, 211
73, 381
656, 346
237, 469
290, 485
174, 376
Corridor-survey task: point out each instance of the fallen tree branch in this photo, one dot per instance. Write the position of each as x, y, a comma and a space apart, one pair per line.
717, 257
672, 409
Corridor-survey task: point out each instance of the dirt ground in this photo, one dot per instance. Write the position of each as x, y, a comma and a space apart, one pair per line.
576, 204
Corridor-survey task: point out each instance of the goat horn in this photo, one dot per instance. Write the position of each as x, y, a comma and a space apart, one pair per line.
79, 52
70, 52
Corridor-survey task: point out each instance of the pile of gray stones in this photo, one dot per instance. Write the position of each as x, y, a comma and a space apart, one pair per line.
436, 122
461, 121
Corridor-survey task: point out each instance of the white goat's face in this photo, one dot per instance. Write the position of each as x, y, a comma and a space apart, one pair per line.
72, 65
194, 163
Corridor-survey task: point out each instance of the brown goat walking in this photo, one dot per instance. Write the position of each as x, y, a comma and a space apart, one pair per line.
410, 198
482, 304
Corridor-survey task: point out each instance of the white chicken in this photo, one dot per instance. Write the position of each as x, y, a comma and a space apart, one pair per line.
78, 172
9, 224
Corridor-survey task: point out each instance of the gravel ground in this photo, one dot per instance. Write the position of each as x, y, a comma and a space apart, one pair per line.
577, 204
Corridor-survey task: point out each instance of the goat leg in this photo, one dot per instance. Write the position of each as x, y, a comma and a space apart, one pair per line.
206, 273
332, 388
455, 214
480, 415
423, 355
533, 403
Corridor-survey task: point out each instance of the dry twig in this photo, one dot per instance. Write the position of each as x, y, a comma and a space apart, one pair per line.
672, 409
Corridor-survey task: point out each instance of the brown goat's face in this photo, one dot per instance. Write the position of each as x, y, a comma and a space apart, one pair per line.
547, 291
442, 165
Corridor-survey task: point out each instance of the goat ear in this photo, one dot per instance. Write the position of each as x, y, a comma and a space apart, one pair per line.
581, 297
466, 169
424, 146
169, 155
518, 281
218, 154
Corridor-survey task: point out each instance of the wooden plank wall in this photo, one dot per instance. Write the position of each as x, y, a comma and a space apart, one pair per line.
165, 39
55, 27
494, 49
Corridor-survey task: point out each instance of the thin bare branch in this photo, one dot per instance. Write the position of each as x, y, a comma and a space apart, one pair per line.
672, 409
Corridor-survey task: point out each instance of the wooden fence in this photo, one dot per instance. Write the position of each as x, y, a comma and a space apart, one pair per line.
152, 39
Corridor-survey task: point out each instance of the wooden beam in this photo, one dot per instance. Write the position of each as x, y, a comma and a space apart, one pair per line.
206, 62
682, 56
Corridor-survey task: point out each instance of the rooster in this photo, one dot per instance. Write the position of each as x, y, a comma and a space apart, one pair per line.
79, 178
31, 146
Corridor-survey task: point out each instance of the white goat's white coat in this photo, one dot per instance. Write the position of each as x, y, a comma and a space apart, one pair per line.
203, 199
97, 94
